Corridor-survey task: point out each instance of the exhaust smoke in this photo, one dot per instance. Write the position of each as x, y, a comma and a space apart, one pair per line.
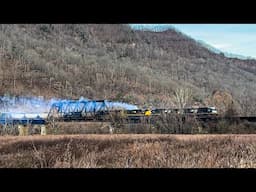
33, 107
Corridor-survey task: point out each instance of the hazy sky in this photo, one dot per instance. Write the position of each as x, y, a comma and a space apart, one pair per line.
233, 38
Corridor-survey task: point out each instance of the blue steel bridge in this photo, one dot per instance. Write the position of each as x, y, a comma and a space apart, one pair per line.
82, 109
66, 110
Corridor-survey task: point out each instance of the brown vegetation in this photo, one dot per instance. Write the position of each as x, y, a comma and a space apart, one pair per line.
117, 63
129, 151
160, 124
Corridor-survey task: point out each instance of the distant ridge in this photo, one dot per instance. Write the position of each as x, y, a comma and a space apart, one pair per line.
227, 54
164, 27
154, 28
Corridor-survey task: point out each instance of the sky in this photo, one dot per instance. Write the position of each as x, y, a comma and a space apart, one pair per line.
232, 38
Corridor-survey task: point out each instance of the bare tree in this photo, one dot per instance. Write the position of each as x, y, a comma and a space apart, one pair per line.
182, 96
247, 103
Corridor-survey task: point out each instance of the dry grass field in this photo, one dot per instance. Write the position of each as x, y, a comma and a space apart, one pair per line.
128, 151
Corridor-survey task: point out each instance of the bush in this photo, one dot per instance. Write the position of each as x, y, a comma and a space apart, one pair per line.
176, 123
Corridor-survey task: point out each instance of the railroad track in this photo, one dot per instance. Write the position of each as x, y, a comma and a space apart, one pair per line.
235, 118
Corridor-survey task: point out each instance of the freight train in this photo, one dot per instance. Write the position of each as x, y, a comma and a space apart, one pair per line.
135, 115
96, 110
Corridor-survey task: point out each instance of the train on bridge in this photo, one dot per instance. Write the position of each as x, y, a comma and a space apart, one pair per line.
104, 110
94, 110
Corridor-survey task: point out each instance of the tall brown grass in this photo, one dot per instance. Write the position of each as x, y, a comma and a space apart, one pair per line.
129, 151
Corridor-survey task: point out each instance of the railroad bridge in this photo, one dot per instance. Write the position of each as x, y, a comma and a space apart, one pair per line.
104, 110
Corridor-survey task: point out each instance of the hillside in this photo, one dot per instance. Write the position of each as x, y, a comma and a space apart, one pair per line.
118, 63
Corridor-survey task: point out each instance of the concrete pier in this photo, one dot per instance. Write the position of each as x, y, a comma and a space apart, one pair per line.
43, 130
23, 130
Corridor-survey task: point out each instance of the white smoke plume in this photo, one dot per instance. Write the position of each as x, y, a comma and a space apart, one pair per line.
24, 104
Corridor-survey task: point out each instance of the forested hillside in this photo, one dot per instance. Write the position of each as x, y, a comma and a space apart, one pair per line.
116, 62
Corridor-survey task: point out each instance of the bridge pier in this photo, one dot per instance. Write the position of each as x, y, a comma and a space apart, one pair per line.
43, 130
23, 130
111, 129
